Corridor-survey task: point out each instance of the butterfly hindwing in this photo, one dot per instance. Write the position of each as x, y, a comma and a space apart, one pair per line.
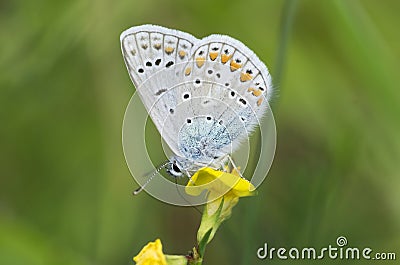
232, 74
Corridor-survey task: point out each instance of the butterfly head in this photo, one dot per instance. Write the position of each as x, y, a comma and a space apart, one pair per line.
174, 168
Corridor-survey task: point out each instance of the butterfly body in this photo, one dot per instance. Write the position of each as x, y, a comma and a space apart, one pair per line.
204, 96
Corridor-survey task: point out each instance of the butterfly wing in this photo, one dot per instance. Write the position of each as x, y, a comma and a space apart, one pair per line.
238, 83
204, 96
155, 57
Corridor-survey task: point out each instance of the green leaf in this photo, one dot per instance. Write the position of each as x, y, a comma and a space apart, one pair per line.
218, 213
209, 222
203, 242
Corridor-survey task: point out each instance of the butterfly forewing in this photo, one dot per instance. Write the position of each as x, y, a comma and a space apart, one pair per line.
155, 57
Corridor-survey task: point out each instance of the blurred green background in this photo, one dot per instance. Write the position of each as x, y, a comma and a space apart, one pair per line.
65, 190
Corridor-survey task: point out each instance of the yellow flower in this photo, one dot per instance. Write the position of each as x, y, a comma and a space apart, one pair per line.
151, 254
224, 190
219, 184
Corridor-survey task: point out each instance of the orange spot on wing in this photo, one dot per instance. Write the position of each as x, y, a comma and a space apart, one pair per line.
259, 101
257, 92
213, 55
245, 77
169, 50
157, 46
225, 58
181, 54
200, 61
188, 71
235, 65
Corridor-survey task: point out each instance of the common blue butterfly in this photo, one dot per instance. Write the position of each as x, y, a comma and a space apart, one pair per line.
204, 95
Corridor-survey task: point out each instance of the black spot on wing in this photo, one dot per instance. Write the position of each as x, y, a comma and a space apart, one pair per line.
159, 92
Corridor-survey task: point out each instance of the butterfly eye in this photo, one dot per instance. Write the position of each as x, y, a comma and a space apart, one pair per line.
176, 168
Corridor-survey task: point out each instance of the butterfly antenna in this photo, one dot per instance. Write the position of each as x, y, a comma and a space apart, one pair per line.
138, 190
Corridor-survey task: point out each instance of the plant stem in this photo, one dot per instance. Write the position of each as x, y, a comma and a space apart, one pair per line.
287, 18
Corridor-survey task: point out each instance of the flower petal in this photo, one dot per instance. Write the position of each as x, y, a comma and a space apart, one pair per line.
218, 183
151, 254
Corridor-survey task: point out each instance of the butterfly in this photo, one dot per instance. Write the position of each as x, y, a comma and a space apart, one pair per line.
205, 96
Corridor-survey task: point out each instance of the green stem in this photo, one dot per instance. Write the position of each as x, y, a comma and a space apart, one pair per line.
197, 260
287, 18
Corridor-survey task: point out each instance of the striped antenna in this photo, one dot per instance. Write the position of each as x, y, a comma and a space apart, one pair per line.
138, 190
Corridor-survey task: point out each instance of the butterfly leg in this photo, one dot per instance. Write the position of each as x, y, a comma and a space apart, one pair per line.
221, 163
235, 167
189, 176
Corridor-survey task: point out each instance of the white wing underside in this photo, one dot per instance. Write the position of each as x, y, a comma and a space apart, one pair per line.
180, 78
